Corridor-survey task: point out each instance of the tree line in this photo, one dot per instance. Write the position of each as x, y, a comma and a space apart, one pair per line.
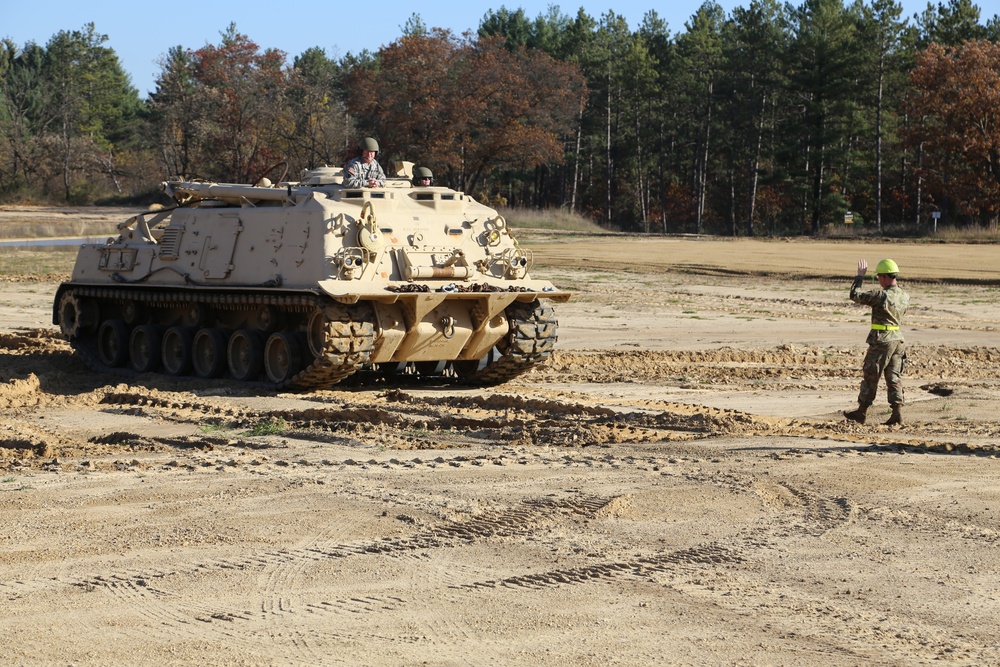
774, 119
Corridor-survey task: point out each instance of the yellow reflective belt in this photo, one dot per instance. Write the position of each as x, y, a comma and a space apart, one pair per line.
884, 327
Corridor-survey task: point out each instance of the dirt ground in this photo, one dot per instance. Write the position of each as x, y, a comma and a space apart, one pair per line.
675, 486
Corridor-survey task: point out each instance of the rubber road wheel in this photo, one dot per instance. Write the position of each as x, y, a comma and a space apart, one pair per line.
112, 343
245, 354
282, 357
144, 348
177, 345
209, 353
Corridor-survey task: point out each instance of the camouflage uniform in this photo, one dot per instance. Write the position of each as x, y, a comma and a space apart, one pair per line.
886, 349
357, 173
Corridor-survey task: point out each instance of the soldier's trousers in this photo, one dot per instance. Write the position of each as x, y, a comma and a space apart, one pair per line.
888, 359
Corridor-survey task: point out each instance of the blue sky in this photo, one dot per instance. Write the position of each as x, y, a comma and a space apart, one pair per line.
142, 32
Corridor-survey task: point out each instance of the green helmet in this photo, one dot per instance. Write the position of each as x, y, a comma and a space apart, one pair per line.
368, 144
423, 172
886, 266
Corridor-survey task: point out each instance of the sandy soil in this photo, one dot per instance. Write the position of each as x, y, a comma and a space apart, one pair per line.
676, 486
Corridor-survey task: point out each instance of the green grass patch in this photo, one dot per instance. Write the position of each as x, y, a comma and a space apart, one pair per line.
23, 487
268, 427
214, 428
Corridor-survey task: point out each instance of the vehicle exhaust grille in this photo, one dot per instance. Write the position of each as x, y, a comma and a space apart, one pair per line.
170, 242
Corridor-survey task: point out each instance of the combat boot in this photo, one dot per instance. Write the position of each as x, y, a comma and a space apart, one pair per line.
896, 419
858, 415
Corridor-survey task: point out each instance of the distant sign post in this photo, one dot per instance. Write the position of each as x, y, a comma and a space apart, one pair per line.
849, 218
936, 215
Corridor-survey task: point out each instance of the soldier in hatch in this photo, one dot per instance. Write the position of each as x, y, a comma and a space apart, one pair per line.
364, 171
422, 177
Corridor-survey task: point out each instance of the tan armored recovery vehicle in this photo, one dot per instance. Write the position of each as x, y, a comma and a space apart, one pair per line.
304, 283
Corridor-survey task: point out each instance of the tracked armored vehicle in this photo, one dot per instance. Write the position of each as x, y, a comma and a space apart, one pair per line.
302, 284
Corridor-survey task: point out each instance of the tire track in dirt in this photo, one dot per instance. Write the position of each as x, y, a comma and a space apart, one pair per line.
491, 524
284, 568
156, 607
305, 642
872, 635
803, 513
712, 554
924, 523
818, 515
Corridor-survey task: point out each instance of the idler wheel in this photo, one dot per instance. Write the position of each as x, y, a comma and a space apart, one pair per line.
245, 354
209, 353
144, 348
112, 343
282, 357
177, 350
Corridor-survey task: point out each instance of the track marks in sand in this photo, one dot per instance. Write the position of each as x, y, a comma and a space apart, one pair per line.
709, 555
286, 612
515, 521
898, 517
518, 520
844, 623
814, 514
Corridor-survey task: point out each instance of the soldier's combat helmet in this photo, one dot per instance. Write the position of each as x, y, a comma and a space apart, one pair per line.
422, 172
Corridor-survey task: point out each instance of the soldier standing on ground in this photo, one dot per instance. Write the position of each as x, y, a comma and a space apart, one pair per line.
886, 349
364, 171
